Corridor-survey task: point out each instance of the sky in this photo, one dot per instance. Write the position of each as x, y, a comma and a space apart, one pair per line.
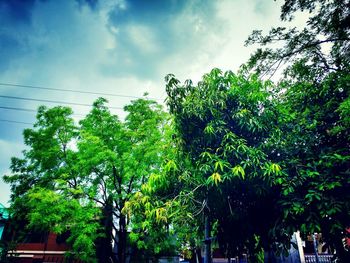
121, 47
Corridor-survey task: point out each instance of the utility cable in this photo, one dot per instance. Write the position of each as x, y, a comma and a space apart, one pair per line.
31, 110
71, 90
19, 122
17, 109
54, 101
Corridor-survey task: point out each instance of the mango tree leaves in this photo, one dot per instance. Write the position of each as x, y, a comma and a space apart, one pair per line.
223, 128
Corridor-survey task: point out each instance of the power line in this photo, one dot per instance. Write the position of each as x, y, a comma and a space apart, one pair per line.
53, 101
30, 110
18, 122
71, 90
17, 109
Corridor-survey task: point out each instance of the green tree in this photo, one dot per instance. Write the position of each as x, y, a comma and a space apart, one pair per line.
322, 45
162, 210
79, 177
149, 209
223, 125
314, 149
314, 99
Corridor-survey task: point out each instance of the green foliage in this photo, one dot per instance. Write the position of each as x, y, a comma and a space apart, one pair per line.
79, 177
305, 51
314, 108
222, 126
315, 150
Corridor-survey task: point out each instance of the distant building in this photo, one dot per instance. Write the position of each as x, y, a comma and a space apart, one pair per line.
47, 247
34, 247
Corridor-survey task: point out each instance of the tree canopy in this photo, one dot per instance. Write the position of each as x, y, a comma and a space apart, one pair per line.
314, 93
225, 127
78, 178
322, 45
236, 130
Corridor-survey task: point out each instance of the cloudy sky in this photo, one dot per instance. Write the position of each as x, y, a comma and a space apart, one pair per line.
121, 47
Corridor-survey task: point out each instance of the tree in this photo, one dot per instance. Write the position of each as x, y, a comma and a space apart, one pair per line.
79, 177
315, 152
148, 209
322, 45
222, 126
314, 94
162, 210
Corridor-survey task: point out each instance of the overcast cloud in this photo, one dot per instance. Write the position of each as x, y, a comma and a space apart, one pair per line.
120, 46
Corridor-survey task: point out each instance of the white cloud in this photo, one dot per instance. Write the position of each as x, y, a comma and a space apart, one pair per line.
143, 38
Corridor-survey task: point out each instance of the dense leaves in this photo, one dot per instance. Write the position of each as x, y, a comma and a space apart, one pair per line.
314, 95
79, 177
223, 126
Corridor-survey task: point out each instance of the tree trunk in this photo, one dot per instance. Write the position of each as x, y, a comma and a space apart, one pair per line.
207, 240
198, 255
122, 235
104, 248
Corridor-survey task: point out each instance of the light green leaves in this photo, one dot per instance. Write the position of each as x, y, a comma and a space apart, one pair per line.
209, 129
161, 214
206, 156
214, 179
238, 171
219, 165
170, 166
272, 169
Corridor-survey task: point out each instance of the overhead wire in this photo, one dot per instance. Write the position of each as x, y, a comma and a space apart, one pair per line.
17, 109
54, 101
72, 90
18, 122
31, 110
